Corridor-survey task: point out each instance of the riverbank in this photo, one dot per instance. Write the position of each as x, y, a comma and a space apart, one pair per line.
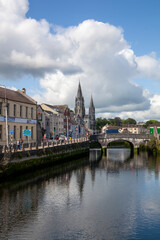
37, 159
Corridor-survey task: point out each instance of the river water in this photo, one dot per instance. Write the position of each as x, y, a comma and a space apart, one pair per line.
113, 197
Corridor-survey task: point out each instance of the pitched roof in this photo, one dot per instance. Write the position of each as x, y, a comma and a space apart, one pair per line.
48, 108
61, 108
17, 96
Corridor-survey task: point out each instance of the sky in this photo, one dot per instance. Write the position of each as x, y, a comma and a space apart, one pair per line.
110, 46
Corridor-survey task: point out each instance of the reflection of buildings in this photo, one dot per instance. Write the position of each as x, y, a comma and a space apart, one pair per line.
17, 207
81, 180
94, 155
118, 154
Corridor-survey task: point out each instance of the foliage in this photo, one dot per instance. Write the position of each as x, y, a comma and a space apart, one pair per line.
117, 121
152, 144
142, 147
149, 122
129, 121
101, 122
28, 154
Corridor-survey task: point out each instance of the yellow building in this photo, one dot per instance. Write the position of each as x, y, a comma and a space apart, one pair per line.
17, 113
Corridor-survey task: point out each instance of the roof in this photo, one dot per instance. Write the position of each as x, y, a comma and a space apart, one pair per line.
48, 109
154, 125
61, 108
131, 125
17, 96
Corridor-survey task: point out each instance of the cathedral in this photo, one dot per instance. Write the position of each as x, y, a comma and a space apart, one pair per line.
87, 120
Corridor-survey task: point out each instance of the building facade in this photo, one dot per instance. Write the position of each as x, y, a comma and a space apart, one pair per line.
18, 112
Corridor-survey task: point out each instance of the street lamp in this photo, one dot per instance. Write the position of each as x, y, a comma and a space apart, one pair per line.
67, 126
5, 100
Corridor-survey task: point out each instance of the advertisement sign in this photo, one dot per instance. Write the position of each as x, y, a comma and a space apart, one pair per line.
18, 120
39, 116
27, 132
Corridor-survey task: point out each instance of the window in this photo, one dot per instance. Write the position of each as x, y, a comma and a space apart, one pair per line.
14, 134
1, 132
20, 111
26, 112
32, 132
14, 110
32, 113
20, 135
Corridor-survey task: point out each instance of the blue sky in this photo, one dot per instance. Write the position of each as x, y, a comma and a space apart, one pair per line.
140, 19
111, 46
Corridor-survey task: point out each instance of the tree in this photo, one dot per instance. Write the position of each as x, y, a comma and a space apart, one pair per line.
129, 121
149, 122
118, 121
152, 144
101, 122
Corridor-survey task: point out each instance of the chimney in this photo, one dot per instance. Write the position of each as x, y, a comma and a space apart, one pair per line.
24, 90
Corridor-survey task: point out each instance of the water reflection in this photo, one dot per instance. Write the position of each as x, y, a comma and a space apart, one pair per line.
95, 155
113, 197
118, 154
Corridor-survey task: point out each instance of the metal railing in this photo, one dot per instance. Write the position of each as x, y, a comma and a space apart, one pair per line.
43, 144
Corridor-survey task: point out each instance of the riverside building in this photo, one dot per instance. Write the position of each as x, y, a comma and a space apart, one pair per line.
17, 113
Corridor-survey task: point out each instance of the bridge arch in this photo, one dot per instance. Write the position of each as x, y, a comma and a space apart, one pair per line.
120, 140
134, 139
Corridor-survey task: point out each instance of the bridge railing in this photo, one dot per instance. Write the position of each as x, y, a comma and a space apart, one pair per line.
123, 135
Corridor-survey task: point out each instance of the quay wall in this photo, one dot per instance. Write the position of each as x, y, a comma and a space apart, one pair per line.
24, 161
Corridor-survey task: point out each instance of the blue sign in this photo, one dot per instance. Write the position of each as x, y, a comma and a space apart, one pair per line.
27, 132
11, 131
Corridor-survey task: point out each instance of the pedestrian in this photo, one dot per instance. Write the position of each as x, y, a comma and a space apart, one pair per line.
18, 142
21, 143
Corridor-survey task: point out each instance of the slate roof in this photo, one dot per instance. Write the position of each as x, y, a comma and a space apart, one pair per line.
61, 108
15, 96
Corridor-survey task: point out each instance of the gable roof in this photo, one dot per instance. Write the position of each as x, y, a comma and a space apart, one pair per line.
17, 96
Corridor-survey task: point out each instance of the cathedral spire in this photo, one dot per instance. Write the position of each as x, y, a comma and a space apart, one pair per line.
79, 103
91, 103
92, 114
79, 92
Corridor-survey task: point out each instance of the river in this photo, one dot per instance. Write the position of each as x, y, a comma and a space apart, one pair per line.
116, 196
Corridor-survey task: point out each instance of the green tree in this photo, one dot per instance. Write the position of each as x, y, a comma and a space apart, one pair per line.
129, 121
101, 122
152, 144
118, 121
149, 122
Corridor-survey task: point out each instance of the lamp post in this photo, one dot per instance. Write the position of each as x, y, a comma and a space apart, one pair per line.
5, 101
67, 127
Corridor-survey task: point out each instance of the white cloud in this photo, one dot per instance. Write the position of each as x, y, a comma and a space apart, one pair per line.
93, 52
143, 115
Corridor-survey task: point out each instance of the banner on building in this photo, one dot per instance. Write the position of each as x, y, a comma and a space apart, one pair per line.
151, 131
39, 116
27, 132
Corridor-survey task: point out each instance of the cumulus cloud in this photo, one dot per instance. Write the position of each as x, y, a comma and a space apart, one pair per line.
94, 53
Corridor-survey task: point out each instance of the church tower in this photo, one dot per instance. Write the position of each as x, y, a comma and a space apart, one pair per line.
79, 104
92, 114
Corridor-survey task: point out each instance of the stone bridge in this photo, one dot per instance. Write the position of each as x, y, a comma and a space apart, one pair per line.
134, 139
